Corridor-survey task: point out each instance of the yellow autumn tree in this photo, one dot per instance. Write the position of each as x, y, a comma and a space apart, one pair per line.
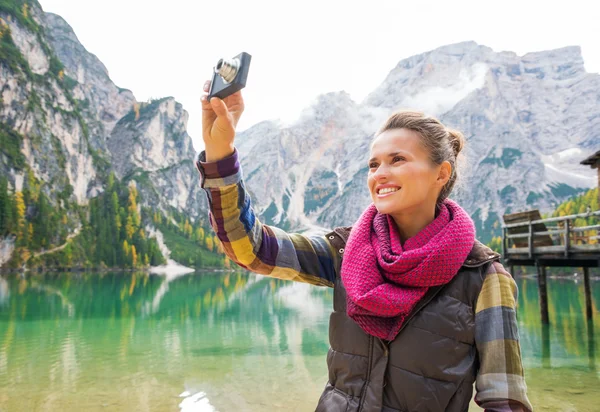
129, 228
199, 235
20, 203
187, 229
136, 110
496, 244
29, 233
23, 255
569, 208
132, 206
209, 243
133, 256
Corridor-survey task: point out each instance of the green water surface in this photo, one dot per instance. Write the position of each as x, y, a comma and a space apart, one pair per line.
229, 342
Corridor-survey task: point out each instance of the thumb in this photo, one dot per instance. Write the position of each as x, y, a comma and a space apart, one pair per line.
219, 107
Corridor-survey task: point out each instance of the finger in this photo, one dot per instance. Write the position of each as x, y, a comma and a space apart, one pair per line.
219, 107
205, 103
207, 86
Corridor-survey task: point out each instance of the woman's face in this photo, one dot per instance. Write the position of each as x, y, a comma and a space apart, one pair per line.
401, 177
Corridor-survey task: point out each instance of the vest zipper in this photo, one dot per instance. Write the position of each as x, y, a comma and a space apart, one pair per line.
426, 299
368, 380
385, 346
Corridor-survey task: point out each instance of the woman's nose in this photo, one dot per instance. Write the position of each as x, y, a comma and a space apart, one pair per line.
382, 172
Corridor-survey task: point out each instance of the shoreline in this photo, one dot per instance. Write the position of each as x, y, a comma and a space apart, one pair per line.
154, 270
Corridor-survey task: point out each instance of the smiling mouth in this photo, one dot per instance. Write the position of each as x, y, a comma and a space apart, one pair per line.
387, 191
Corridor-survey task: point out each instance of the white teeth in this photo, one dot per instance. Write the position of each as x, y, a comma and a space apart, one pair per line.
387, 190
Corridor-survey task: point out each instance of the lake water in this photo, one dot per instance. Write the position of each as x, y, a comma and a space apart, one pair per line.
230, 342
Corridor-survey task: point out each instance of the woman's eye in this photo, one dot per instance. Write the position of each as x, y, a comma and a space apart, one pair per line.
372, 165
398, 158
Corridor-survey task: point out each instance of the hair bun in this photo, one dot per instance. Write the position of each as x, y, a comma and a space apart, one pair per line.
457, 140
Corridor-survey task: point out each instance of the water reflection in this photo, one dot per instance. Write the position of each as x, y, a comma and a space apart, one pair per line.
227, 341
591, 346
4, 294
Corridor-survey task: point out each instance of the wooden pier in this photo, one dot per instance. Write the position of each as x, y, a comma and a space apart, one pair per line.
529, 240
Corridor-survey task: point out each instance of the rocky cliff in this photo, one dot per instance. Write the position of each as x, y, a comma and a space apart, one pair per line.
66, 127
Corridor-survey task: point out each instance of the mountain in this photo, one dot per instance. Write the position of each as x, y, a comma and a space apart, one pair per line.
529, 120
67, 132
92, 177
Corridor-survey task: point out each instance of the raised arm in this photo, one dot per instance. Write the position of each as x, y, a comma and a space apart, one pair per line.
260, 248
500, 381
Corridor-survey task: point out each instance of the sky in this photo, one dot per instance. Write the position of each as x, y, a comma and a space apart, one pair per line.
301, 49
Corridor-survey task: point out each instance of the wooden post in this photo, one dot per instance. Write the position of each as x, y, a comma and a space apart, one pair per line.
530, 240
567, 237
543, 292
588, 293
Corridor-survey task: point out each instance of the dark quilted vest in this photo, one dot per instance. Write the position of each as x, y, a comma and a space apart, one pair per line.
431, 364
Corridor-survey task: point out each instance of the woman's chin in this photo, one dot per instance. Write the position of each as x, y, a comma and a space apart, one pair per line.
386, 208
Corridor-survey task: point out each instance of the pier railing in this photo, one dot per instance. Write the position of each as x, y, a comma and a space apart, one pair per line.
557, 236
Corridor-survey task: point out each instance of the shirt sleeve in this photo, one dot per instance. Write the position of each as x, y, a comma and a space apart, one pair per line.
500, 383
260, 248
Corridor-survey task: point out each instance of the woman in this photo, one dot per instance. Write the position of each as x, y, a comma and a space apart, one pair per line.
422, 310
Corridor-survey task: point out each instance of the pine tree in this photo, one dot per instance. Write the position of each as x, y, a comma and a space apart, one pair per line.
111, 182
126, 253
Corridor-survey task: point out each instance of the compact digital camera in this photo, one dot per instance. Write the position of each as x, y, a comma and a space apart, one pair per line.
229, 76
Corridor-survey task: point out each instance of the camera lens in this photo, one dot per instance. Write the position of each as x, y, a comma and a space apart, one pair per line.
227, 69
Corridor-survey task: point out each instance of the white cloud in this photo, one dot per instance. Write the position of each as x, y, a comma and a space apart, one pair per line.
438, 100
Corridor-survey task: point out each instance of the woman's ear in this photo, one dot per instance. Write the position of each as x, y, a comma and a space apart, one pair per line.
445, 173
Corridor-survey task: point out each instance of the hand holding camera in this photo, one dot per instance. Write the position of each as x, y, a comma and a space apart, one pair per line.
223, 105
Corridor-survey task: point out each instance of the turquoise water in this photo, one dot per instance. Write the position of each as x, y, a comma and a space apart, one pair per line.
229, 342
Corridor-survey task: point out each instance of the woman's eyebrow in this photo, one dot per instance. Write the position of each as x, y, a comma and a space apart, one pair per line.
390, 155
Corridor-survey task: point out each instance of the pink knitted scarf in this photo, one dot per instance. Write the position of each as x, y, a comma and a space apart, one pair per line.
384, 279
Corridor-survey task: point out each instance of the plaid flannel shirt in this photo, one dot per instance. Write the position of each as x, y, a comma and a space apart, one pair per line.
267, 250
